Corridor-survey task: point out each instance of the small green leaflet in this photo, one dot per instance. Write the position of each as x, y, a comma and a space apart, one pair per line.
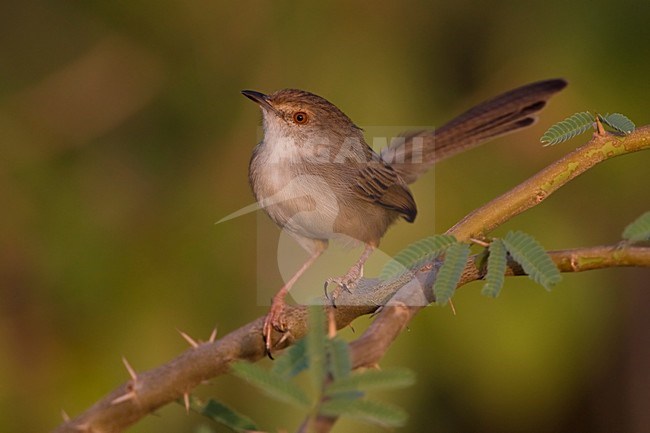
618, 122
330, 368
418, 252
450, 272
568, 128
639, 230
316, 339
365, 410
373, 379
532, 257
496, 268
224, 415
293, 360
339, 359
270, 383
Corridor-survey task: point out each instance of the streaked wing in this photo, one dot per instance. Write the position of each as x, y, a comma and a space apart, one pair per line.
379, 183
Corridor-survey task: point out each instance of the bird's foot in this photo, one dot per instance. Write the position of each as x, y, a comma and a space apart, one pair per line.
347, 282
275, 320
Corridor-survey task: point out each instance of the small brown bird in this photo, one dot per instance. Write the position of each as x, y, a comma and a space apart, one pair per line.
316, 177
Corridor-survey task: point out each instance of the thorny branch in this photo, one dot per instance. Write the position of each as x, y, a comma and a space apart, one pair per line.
403, 297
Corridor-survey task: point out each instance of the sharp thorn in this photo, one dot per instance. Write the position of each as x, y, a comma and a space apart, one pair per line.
599, 126
130, 369
189, 339
186, 400
85, 427
480, 242
65, 415
125, 397
451, 305
283, 338
213, 336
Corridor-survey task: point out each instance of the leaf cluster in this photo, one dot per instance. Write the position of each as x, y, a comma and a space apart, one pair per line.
517, 246
337, 390
578, 123
525, 250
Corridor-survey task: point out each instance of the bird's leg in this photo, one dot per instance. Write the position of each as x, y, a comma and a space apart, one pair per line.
275, 318
349, 280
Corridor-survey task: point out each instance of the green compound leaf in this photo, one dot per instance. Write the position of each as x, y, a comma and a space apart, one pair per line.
364, 410
372, 379
270, 383
533, 258
418, 252
292, 361
339, 359
639, 230
316, 340
568, 128
224, 415
450, 272
618, 122
496, 268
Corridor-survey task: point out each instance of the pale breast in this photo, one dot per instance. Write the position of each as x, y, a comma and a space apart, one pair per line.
299, 201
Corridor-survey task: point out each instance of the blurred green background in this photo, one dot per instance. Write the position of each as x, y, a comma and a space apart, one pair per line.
123, 138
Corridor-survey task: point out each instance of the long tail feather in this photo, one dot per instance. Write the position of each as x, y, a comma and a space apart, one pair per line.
412, 154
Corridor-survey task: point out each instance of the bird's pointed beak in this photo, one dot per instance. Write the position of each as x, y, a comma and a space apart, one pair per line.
260, 98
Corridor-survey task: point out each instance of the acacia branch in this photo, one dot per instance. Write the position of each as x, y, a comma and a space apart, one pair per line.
537, 188
403, 297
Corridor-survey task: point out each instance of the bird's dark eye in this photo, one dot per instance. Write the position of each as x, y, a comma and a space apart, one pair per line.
300, 117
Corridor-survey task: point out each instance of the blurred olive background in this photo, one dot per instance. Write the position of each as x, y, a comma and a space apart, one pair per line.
123, 138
